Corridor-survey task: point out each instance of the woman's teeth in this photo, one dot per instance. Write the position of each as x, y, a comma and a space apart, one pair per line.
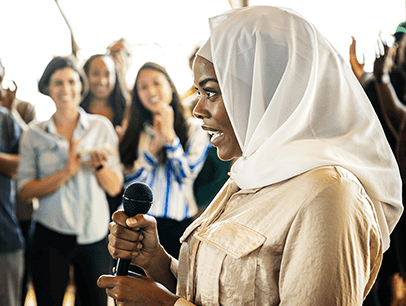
215, 133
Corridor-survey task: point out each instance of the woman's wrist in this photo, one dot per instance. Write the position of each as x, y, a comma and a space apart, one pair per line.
383, 78
160, 260
98, 168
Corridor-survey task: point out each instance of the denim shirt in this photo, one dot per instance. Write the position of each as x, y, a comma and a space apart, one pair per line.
79, 207
11, 238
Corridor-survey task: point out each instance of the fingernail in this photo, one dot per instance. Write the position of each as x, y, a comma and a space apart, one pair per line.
131, 222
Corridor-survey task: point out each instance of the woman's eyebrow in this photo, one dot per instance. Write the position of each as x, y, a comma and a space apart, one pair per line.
203, 82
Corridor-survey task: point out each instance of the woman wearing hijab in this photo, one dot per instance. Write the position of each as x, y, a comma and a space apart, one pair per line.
313, 195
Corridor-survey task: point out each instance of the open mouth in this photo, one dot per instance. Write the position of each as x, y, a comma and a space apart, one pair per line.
213, 133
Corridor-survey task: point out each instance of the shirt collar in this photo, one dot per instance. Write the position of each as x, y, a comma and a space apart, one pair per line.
83, 123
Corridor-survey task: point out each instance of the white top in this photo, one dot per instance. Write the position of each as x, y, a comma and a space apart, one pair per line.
295, 105
79, 207
311, 240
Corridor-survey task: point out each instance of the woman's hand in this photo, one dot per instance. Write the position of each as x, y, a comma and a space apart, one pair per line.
383, 62
134, 238
356, 66
98, 159
164, 130
136, 290
165, 119
73, 163
121, 129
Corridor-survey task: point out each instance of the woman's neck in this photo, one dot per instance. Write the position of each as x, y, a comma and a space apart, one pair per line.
98, 101
66, 122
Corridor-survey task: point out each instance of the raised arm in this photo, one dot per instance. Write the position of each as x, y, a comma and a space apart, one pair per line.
393, 110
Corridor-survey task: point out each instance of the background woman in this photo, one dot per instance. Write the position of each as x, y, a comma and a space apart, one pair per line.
163, 149
107, 96
73, 214
315, 191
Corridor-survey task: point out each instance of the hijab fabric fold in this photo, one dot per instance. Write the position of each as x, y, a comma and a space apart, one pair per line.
295, 105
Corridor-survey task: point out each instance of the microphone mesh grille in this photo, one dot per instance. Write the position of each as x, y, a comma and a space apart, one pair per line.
137, 199
139, 191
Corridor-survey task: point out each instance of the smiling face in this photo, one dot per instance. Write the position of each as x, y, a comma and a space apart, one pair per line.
102, 77
210, 108
65, 88
153, 89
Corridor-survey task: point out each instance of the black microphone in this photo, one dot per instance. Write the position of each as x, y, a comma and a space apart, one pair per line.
137, 199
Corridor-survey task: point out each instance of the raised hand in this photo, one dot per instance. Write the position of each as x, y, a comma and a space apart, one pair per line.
356, 66
164, 128
383, 61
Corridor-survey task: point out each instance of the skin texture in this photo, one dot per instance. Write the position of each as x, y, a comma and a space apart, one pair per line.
211, 109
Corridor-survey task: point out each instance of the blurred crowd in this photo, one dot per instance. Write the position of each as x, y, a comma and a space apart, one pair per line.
60, 180
385, 87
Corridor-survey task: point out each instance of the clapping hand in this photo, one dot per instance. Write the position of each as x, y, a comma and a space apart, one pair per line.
164, 128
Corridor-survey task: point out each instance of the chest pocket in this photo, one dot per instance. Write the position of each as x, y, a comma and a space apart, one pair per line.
50, 158
227, 263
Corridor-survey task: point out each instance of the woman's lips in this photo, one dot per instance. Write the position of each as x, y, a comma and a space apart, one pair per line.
215, 135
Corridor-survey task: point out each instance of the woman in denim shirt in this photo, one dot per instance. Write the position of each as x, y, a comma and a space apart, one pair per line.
68, 163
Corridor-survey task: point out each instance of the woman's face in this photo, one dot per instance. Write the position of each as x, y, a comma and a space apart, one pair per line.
210, 108
154, 89
65, 88
102, 77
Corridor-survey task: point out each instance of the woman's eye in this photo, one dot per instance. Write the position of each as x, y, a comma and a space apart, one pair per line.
210, 94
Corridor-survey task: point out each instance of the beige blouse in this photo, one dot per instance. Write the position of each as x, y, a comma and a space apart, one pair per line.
310, 240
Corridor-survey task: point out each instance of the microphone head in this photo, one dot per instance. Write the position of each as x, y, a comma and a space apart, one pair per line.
137, 199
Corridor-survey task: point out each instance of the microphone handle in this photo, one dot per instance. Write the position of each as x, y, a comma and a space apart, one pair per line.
122, 266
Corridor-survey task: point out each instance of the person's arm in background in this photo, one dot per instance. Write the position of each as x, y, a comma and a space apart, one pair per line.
8, 164
108, 180
356, 66
394, 111
9, 144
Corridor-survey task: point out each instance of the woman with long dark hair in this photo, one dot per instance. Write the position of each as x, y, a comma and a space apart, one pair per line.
165, 150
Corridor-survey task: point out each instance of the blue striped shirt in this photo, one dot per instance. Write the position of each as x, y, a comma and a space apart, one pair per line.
171, 183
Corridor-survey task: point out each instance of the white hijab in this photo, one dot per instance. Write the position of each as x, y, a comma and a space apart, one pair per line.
295, 105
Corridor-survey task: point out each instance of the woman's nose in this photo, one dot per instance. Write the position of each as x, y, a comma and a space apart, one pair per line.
104, 81
199, 111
